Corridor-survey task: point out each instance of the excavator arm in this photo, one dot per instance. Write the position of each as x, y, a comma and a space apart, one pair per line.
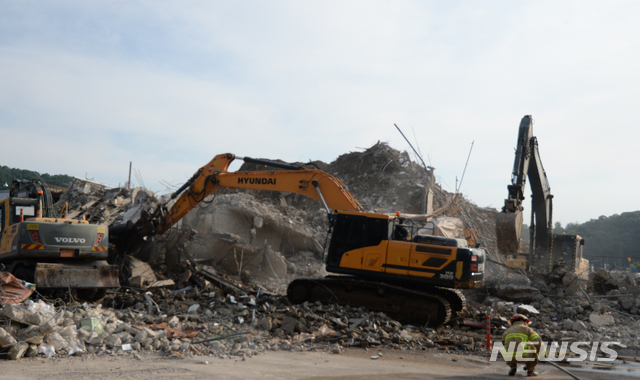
527, 164
316, 184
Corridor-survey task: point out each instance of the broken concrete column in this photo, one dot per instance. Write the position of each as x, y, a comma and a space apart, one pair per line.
31, 334
6, 339
142, 274
22, 315
18, 350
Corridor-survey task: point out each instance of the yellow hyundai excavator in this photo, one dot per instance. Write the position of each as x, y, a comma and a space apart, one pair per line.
378, 260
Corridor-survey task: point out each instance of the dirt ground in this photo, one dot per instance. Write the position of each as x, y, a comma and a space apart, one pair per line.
352, 364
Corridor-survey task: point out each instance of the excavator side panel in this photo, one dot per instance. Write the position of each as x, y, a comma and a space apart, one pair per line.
398, 257
352, 259
428, 260
373, 257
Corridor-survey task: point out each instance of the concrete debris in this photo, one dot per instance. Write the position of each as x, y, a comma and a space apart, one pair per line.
600, 320
141, 274
22, 315
215, 284
527, 310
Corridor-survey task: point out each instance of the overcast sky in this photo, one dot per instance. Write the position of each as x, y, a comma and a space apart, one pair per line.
87, 86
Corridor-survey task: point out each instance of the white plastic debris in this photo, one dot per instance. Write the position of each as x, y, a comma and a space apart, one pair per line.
526, 309
47, 349
193, 309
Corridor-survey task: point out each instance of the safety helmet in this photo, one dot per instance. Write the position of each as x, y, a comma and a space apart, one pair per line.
519, 317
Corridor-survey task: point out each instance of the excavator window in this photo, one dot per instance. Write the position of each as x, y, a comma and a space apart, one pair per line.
376, 231
350, 232
353, 232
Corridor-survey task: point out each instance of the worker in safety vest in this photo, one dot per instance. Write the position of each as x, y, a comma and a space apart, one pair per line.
520, 342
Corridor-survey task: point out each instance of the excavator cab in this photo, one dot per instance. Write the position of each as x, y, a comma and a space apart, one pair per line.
370, 245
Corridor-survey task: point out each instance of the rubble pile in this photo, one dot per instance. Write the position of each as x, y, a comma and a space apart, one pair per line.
214, 284
215, 316
100, 204
209, 321
241, 235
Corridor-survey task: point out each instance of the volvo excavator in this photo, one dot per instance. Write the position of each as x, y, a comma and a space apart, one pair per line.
39, 247
547, 250
378, 261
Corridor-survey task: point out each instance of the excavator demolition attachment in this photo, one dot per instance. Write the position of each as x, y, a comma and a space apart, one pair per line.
509, 231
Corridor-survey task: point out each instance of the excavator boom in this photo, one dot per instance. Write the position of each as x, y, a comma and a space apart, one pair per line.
315, 184
527, 164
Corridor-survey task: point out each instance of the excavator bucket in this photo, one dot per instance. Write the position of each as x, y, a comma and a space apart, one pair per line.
508, 231
50, 275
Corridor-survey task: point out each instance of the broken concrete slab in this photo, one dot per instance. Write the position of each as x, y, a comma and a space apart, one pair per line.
141, 273
6, 339
601, 320
579, 326
517, 292
527, 309
22, 315
18, 350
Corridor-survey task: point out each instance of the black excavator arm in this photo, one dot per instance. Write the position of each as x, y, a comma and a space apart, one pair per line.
527, 164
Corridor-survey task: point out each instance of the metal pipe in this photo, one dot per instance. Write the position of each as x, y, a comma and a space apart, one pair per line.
315, 184
562, 369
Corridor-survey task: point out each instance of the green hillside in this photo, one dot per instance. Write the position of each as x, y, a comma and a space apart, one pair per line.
8, 174
609, 239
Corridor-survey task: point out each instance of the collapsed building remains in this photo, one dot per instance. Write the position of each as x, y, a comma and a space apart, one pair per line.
214, 283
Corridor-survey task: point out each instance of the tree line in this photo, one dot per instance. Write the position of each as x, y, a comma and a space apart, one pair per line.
9, 174
609, 239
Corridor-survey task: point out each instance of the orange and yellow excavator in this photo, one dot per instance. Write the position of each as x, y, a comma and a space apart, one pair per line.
378, 261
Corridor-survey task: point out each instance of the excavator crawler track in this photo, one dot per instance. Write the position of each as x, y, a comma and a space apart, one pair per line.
425, 306
456, 299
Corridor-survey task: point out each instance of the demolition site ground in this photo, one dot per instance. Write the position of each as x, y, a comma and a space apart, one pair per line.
351, 364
